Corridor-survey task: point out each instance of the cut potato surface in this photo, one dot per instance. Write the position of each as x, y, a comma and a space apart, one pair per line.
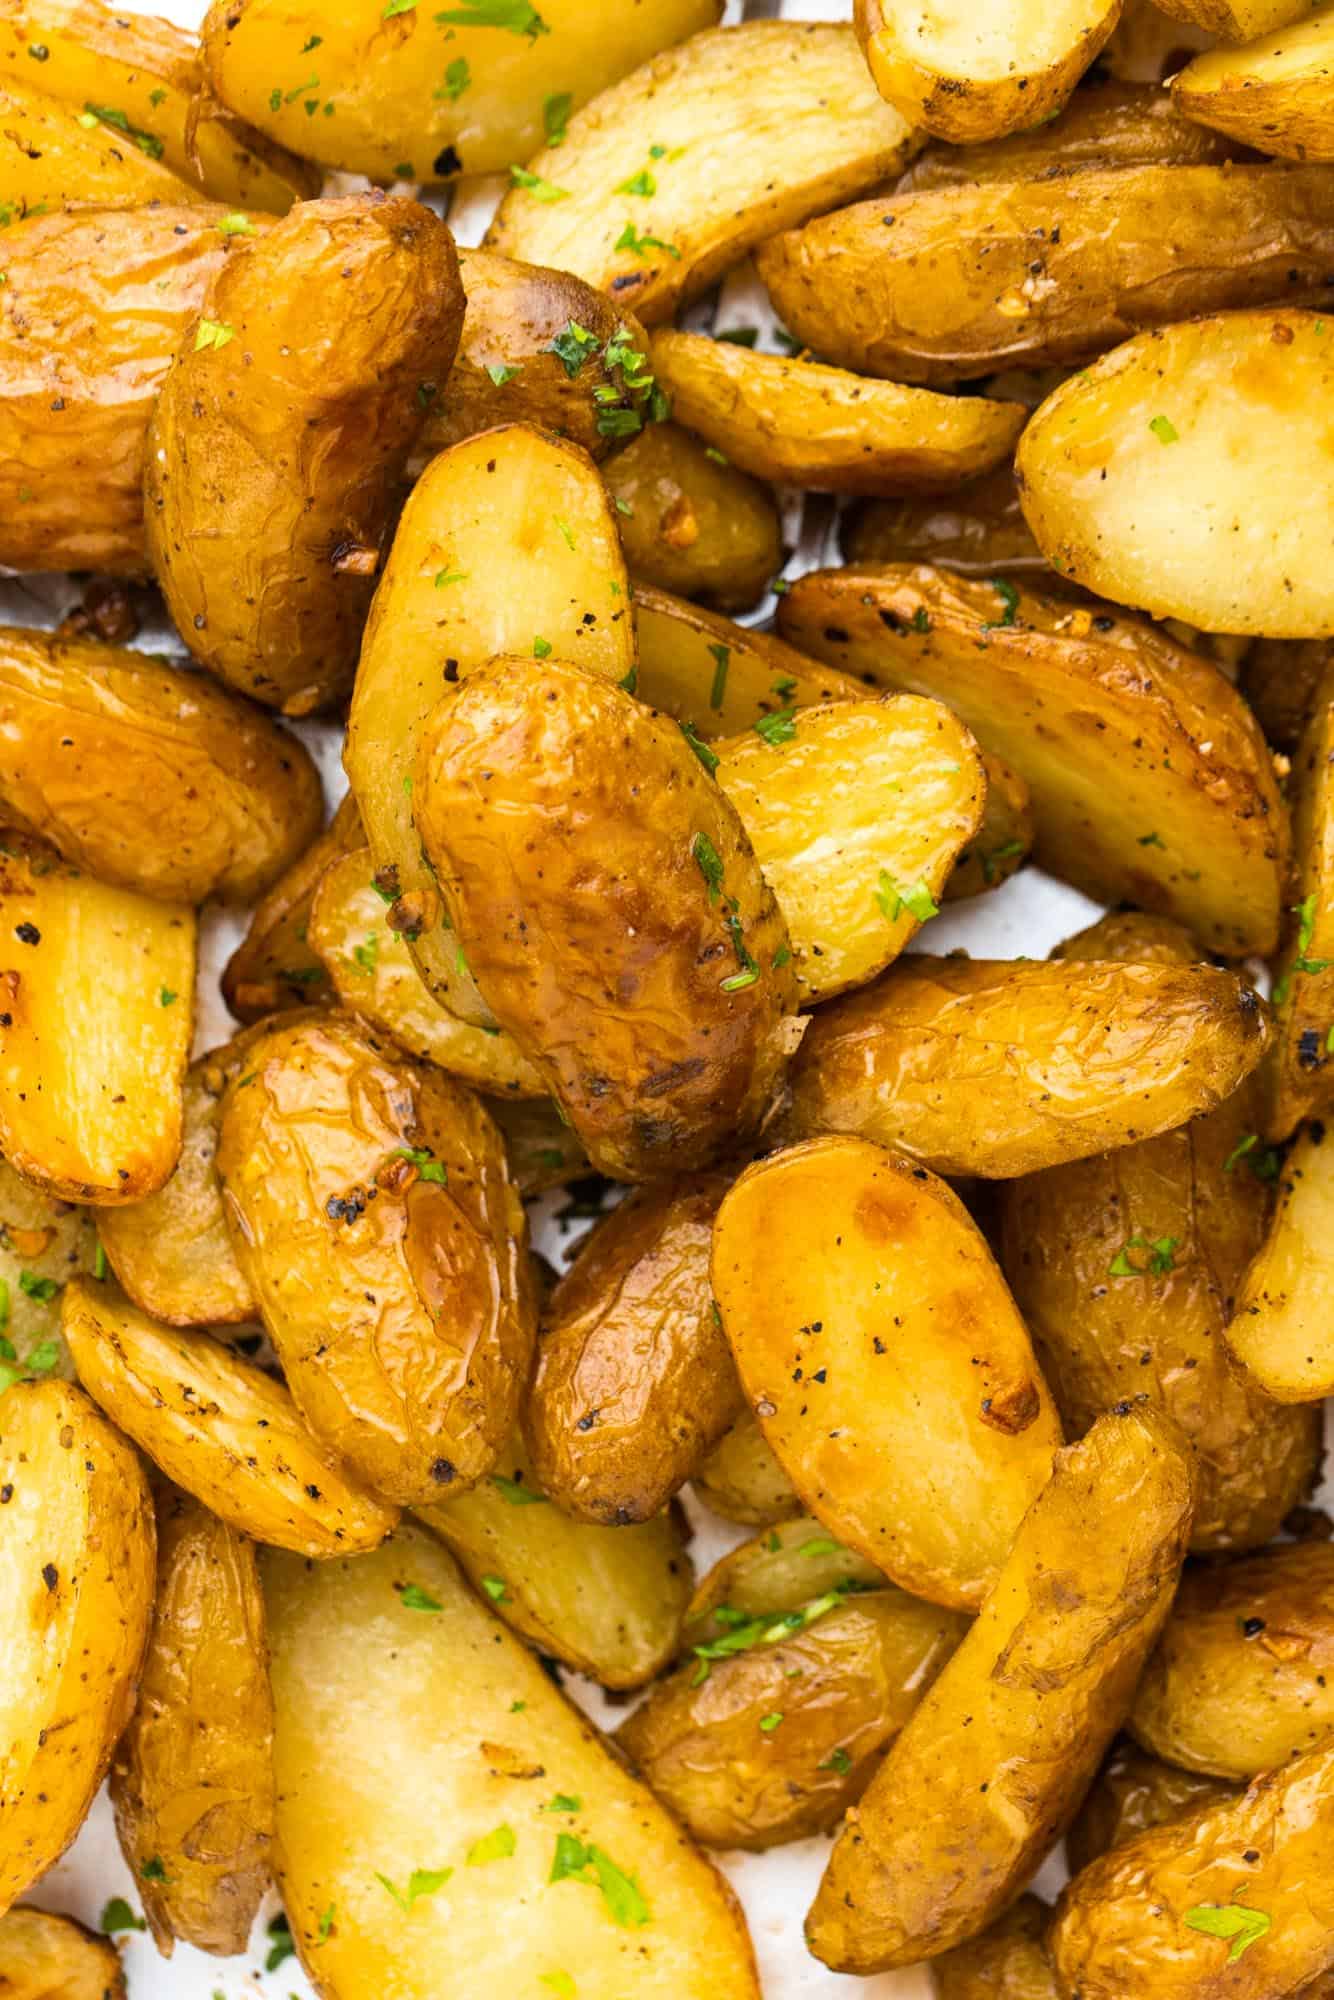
720, 677
51, 154
1276, 94
1282, 1328
46, 1957
1300, 1071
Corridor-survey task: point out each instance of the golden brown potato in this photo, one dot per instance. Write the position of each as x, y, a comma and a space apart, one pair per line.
659, 1008
1150, 780
1002, 1068
476, 1763
979, 530
1282, 1328
44, 1243
743, 1481
372, 1212
1132, 1792
691, 522
46, 1957
274, 968
719, 677
78, 1599
1004, 840
1007, 1962
192, 1781
543, 1151
777, 1571
1280, 679
50, 154
1132, 937
1190, 473
777, 1728
855, 1353
91, 1066
280, 434
1274, 94
951, 291
219, 1428
754, 128
1237, 20
1299, 1074
993, 1764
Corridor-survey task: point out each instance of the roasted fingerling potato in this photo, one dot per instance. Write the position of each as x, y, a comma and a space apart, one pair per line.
1008, 1962
1237, 20
1299, 1074
742, 1480
1004, 839
779, 1570
42, 1954
691, 522
1281, 1330
978, 529
1273, 94
720, 677
44, 1242
1131, 1793
274, 968
51, 155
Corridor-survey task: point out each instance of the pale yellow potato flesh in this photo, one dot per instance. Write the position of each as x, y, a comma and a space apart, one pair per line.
1004, 840
1276, 94
44, 1242
1282, 1327
720, 677
48, 157
1237, 20
1299, 1073
743, 1481
778, 1570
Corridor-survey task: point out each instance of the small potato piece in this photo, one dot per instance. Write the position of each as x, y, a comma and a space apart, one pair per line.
778, 1571
1150, 780
802, 424
46, 1957
1281, 678
1003, 1068
43, 1244
856, 1355
1008, 1962
1238, 20
371, 1209
49, 156
691, 524
150, 778
761, 125
1132, 1792
992, 1766
1148, 45
96, 1011
857, 813
274, 968
279, 438
743, 1481
543, 1151
78, 1599
1299, 1074
1004, 840
1183, 473
218, 1427
1282, 1328
470, 1737
978, 73
1277, 94
192, 1781
720, 677
979, 530
780, 1738
606, 1601
1132, 937
658, 1009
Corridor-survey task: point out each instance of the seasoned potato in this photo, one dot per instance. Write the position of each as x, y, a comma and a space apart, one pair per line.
743, 1481
1008, 1962
979, 530
91, 1067
475, 1758
280, 434
857, 813
192, 1781
1003, 841
1150, 781
660, 1010
1148, 45
855, 1355
1237, 20
777, 1571
50, 154
754, 127
994, 1762
1131, 1793
43, 1244
978, 74
372, 1212
425, 96
1280, 679
719, 677
1276, 94
78, 1598
801, 423
1002, 1068
1282, 1328
1132, 937
219, 1427
775, 1736
1181, 473
692, 523
606, 1601
1299, 1073
543, 1151
43, 1956
274, 968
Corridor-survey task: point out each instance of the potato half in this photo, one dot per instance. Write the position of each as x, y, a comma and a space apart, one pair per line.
691, 522
1280, 678
1132, 1792
1282, 1327
273, 968
1004, 840
979, 530
718, 676
43, 1955
1009, 1961
1300, 1072
51, 155
777, 1571
743, 1481
44, 1242
1276, 94
1237, 20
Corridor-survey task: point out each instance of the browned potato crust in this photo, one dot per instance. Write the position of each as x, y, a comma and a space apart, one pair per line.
691, 522
1282, 1329
979, 530
1299, 1074
992, 1766
743, 1481
279, 437
1274, 94
1008, 1962
44, 1242
274, 968
46, 1957
1132, 1792
1004, 840
1280, 678
192, 1782
49, 156
719, 677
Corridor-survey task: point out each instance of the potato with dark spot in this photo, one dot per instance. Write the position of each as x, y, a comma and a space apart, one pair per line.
1132, 1792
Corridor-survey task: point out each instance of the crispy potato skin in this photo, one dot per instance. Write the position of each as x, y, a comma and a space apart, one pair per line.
743, 1481
1008, 1962
1281, 1326
79, 1547
1274, 95
274, 454
1133, 1792
48, 1239
192, 1781
274, 969
992, 1766
691, 525
979, 530
1299, 1075
719, 677
371, 1209
46, 1957
553, 805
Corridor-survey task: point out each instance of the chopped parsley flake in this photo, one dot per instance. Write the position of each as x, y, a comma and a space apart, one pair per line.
555, 116
701, 749
517, 17
917, 899
498, 1845
573, 1860
413, 1598
780, 727
421, 1882
709, 864
1159, 1253
213, 333
534, 185
1232, 1921
1164, 430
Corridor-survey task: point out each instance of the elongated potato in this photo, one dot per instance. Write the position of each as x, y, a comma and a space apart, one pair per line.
606, 1601
42, 1955
1008, 1962
192, 1781
1181, 474
777, 1571
1237, 20
1133, 937
1299, 1073
854, 1358
979, 530
274, 967
857, 813
78, 1526
1282, 1327
692, 523
720, 677
743, 1481
471, 1739
543, 1151
280, 434
49, 156
1274, 94
993, 1764
91, 1066
1002, 1068
1003, 841
1132, 1792
219, 1428
1150, 781
757, 126
43, 1244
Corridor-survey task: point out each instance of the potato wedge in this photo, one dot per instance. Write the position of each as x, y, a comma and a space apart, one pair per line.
1299, 1073
1280, 678
1180, 474
1132, 1792
1276, 94
606, 1601
1281, 1329
192, 1780
1008, 1962
42, 1955
757, 126
1237, 20
776, 1571
854, 1358
1003, 841
501, 1750
719, 677
979, 530
802, 424
426, 96
971, 75
43, 1244
691, 522
791, 1719
219, 1428
543, 1151
372, 1212
994, 1762
743, 1481
49, 156
274, 968
281, 432
91, 1069
857, 813
79, 1596
1150, 780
